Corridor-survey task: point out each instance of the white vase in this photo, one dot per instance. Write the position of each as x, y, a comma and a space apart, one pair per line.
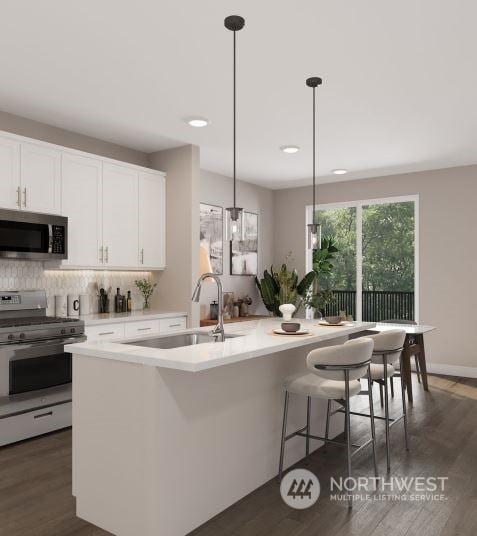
287, 310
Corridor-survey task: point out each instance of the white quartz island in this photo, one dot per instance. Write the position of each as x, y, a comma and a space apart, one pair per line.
163, 440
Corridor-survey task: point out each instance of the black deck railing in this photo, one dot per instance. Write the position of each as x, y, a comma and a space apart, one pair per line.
377, 305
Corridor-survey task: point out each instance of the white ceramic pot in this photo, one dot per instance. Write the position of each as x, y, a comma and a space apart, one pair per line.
287, 310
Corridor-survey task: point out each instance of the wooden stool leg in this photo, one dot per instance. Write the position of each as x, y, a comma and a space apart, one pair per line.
422, 362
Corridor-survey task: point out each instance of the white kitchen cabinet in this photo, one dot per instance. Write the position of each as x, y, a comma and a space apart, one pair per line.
40, 178
9, 173
145, 327
167, 325
105, 332
152, 220
120, 216
82, 204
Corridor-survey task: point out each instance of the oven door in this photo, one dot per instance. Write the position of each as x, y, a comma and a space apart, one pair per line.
26, 235
37, 365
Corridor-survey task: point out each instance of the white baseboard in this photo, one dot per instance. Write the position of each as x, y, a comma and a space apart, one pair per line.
452, 370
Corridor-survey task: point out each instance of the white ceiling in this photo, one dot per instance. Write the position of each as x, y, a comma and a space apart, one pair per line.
399, 90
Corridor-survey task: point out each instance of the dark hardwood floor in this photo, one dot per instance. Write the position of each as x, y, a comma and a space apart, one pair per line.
35, 481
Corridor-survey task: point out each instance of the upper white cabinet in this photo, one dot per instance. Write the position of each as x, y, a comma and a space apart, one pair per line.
152, 220
40, 178
120, 216
116, 211
9, 173
82, 204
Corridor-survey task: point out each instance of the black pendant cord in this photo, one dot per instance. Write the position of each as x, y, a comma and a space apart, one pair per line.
314, 156
235, 117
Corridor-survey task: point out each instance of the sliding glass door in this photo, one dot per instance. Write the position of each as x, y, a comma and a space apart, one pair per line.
374, 277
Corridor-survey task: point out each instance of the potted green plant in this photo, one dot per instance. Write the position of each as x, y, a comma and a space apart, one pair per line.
146, 288
279, 287
317, 298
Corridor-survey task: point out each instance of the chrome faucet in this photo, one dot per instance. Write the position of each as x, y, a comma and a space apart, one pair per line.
218, 331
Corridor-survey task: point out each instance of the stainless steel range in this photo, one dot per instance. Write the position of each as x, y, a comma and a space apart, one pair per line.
35, 366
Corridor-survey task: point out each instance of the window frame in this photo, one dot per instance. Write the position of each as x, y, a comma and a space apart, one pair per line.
358, 205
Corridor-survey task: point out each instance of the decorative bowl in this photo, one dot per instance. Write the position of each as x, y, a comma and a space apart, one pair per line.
290, 327
333, 319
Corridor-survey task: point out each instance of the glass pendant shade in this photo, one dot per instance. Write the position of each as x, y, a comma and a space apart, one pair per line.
234, 224
314, 236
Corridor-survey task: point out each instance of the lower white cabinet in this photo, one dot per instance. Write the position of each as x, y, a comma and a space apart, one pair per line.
145, 327
135, 328
172, 324
106, 332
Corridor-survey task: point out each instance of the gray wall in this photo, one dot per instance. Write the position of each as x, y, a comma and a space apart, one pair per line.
175, 283
40, 131
216, 189
448, 257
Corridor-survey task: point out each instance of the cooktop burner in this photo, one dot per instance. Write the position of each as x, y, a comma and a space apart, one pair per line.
34, 320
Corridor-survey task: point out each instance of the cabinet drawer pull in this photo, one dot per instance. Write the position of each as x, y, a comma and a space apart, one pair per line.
174, 325
40, 415
106, 333
143, 329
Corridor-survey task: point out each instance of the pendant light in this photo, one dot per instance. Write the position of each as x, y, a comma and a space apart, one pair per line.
314, 228
234, 224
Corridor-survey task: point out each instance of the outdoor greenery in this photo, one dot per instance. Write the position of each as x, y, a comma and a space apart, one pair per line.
388, 247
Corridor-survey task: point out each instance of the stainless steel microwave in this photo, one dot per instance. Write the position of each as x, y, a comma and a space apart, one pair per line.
27, 235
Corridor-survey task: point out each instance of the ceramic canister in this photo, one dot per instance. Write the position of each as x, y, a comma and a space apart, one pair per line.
84, 304
73, 305
60, 306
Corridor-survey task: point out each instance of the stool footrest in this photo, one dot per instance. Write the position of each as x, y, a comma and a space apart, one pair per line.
332, 441
392, 420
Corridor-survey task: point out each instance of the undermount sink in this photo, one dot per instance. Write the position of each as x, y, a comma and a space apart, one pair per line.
177, 341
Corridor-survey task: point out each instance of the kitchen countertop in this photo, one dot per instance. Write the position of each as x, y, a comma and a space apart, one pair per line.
257, 340
112, 318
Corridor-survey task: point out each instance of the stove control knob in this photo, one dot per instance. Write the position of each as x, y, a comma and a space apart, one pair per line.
63, 331
22, 335
11, 337
72, 330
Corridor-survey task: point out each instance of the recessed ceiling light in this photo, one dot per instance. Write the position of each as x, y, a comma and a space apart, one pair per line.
340, 171
290, 149
197, 121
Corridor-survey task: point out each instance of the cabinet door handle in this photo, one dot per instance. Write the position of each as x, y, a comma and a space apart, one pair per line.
142, 256
106, 333
106, 253
101, 254
24, 197
19, 197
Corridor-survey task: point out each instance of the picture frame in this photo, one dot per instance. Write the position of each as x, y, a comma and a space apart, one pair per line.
212, 235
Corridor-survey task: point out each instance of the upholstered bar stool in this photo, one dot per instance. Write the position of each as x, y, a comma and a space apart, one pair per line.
386, 359
334, 375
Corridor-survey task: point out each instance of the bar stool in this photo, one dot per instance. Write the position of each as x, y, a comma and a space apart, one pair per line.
335, 373
387, 353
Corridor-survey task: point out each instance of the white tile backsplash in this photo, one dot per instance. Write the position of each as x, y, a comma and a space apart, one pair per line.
31, 275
